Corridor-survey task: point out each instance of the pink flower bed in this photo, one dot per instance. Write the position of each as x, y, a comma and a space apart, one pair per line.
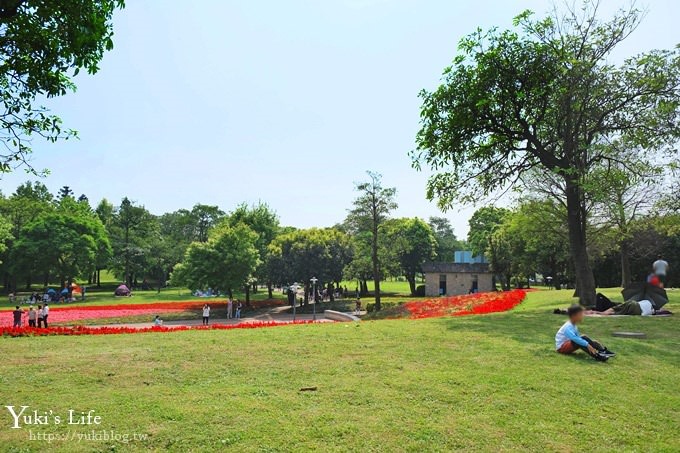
84, 330
63, 314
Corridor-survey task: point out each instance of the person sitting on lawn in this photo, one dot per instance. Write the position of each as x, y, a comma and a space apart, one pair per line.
157, 321
569, 340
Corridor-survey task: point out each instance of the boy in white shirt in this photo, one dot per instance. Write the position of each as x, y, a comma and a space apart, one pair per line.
569, 340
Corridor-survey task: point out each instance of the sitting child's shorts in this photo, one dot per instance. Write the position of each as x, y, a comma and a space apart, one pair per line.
568, 347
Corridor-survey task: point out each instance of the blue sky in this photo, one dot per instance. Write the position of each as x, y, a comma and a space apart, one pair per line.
289, 102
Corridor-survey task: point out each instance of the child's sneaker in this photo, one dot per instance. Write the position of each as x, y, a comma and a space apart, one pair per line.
601, 357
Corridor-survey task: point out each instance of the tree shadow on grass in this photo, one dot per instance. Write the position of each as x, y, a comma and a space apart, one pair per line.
532, 328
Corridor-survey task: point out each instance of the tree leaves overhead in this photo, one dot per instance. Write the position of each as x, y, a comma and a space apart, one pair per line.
43, 44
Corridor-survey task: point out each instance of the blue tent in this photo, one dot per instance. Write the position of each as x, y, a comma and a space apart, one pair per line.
51, 291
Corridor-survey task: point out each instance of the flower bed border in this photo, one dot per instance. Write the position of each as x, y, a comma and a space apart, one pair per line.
85, 330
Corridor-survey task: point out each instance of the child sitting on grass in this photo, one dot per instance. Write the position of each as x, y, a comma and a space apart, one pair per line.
569, 340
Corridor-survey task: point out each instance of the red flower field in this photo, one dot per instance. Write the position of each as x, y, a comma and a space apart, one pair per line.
470, 304
84, 330
65, 314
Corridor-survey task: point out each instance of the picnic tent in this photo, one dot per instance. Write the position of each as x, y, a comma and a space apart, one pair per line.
646, 291
122, 291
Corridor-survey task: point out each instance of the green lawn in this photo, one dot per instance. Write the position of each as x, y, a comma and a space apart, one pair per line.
484, 383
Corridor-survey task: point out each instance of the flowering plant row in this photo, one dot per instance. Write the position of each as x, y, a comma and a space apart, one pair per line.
84, 330
470, 304
64, 314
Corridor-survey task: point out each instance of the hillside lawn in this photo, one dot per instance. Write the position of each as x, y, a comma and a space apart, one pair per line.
482, 382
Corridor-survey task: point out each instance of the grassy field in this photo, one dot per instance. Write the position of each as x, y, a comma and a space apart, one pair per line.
468, 383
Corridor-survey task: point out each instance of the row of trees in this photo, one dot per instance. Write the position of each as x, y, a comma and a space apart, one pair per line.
532, 239
46, 238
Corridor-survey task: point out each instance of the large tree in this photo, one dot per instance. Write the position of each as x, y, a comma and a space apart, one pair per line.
447, 242
131, 229
265, 222
205, 217
545, 97
624, 198
28, 202
302, 254
224, 262
409, 243
371, 208
64, 243
483, 240
43, 43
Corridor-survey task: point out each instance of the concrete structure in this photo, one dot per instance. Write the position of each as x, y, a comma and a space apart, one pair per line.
453, 279
340, 316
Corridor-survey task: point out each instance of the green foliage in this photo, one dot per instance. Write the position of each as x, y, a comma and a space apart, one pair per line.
265, 222
533, 239
371, 208
483, 223
43, 43
131, 228
64, 242
408, 243
205, 218
447, 242
302, 254
5, 234
224, 262
543, 98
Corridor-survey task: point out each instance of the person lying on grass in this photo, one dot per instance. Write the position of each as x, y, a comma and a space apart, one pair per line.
631, 307
569, 340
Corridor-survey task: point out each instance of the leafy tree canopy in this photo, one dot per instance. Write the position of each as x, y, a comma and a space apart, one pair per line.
43, 44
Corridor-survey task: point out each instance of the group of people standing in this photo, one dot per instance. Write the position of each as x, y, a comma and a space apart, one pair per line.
35, 318
231, 314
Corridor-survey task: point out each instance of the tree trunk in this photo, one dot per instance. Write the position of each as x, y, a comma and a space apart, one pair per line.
376, 265
576, 222
247, 295
626, 277
363, 288
270, 293
412, 283
99, 278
